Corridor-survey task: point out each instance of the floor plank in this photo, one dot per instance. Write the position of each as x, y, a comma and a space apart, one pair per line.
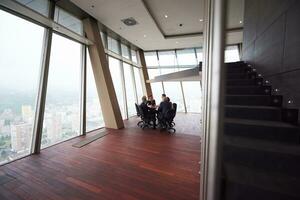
129, 164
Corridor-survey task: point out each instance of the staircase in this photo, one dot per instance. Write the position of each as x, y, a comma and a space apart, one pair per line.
261, 152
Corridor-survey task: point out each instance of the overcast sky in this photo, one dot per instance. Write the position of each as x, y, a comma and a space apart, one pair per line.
21, 56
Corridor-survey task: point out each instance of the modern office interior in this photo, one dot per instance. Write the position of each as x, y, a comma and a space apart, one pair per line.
76, 77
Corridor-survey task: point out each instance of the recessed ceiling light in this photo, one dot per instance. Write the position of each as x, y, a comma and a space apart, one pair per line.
145, 35
177, 42
241, 22
166, 16
201, 20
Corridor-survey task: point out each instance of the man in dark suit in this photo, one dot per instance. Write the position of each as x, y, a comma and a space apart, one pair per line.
144, 105
163, 108
147, 112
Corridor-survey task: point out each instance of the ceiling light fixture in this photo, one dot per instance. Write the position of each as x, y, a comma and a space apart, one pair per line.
166, 16
145, 35
241, 22
129, 21
177, 42
201, 20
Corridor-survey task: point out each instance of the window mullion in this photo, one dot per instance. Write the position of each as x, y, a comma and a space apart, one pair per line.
83, 91
41, 99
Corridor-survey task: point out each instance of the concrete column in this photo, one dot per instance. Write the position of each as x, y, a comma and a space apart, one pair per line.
105, 88
145, 77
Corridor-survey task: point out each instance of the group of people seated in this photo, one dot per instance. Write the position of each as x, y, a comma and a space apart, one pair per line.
162, 113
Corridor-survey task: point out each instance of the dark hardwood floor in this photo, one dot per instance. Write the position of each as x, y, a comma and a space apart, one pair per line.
129, 164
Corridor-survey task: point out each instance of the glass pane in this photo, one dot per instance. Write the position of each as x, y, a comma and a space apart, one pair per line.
193, 96
130, 92
157, 91
94, 117
19, 77
186, 57
199, 55
152, 73
125, 51
68, 20
113, 45
151, 59
115, 71
167, 70
41, 6
134, 56
62, 111
232, 54
173, 91
138, 83
167, 58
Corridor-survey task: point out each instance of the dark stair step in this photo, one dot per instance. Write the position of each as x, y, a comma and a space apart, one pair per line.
236, 65
259, 100
262, 155
266, 130
253, 112
235, 191
285, 186
249, 90
241, 69
240, 82
249, 75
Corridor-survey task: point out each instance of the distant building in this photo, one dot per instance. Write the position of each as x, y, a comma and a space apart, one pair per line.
27, 113
21, 137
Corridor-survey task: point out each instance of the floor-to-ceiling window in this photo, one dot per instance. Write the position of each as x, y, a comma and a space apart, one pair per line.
193, 96
25, 77
19, 77
165, 62
157, 88
125, 71
186, 58
62, 110
174, 92
138, 83
130, 90
116, 72
94, 117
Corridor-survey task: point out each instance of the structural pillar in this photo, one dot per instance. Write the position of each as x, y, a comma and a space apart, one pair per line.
213, 72
105, 88
146, 85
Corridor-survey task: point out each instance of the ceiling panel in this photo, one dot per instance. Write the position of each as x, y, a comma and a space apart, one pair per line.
152, 27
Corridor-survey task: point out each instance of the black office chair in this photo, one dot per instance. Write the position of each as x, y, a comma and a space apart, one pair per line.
138, 113
145, 119
169, 119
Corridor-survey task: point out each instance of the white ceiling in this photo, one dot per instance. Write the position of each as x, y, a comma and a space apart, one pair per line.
154, 31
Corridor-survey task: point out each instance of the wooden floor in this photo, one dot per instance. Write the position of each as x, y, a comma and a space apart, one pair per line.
129, 164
